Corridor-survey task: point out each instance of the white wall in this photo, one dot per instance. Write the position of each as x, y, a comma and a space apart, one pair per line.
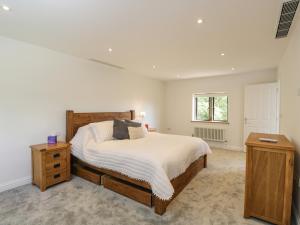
179, 103
38, 85
289, 76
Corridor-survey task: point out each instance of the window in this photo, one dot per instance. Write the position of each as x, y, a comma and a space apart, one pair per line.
210, 108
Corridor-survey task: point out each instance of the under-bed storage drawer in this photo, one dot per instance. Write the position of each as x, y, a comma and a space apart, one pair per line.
132, 191
88, 174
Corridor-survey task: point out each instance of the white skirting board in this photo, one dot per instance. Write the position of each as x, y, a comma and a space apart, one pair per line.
295, 216
15, 183
225, 146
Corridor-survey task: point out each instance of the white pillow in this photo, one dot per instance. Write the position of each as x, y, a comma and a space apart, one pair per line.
103, 131
136, 132
82, 137
142, 125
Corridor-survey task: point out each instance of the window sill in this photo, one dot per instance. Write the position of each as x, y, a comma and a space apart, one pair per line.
210, 122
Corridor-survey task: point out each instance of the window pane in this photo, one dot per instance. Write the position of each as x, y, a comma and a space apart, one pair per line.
202, 108
220, 106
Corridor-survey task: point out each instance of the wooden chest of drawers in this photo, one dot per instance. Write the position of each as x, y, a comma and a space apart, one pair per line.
50, 164
269, 177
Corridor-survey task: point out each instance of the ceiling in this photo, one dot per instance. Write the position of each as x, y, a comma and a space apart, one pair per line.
164, 33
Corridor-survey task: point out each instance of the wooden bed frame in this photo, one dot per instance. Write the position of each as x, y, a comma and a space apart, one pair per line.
132, 188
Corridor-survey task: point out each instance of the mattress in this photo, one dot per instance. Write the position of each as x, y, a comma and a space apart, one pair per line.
156, 159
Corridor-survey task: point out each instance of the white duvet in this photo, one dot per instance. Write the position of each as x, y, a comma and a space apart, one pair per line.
156, 159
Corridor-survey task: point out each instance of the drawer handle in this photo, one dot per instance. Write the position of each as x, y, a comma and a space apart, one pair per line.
56, 176
56, 155
57, 165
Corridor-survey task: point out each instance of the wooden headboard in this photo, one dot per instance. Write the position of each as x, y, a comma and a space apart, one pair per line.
76, 120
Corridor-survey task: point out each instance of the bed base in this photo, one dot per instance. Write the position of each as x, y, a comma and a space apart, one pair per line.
137, 190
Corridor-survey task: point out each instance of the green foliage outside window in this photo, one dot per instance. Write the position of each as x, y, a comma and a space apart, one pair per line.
202, 108
220, 108
211, 108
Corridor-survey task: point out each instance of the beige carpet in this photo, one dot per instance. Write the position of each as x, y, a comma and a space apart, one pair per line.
215, 196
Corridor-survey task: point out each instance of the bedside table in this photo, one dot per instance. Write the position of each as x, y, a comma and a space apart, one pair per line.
50, 164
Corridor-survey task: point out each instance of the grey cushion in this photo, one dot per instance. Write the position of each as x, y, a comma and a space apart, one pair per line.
120, 130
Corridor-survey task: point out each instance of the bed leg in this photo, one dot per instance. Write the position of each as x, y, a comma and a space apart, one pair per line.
205, 161
160, 206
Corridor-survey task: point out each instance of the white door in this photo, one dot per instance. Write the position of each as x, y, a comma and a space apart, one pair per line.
261, 112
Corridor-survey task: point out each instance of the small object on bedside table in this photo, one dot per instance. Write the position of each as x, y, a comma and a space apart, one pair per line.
152, 129
52, 139
50, 164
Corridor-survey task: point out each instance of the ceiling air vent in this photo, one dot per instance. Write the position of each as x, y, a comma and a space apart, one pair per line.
288, 12
107, 64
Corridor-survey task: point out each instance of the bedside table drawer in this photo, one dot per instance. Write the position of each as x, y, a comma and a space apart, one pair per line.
56, 178
56, 155
56, 166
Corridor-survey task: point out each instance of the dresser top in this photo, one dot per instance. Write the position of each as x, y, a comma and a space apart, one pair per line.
283, 142
49, 146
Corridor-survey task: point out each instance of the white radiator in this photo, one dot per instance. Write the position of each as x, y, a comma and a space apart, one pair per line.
210, 134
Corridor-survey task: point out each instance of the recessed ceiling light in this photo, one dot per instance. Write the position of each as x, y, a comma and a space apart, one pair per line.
232, 68
154, 67
5, 7
200, 21
222, 54
110, 49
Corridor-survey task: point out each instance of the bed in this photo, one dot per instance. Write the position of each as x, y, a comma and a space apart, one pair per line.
149, 170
